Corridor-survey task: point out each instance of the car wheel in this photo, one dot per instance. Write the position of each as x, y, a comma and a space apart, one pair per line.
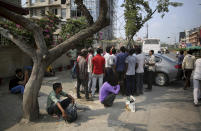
161, 79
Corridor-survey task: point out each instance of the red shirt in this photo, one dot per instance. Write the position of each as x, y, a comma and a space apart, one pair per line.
98, 63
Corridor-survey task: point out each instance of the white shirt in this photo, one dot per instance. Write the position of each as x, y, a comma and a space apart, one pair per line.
140, 59
197, 71
73, 53
90, 57
112, 60
107, 60
151, 61
131, 61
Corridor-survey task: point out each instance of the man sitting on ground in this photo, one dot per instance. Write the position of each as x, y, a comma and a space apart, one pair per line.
17, 84
108, 91
54, 105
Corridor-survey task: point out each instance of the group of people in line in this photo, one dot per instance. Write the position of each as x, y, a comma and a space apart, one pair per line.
114, 72
188, 64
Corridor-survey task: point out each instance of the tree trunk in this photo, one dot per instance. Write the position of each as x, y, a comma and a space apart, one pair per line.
32, 88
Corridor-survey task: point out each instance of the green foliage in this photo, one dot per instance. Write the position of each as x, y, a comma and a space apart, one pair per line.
72, 27
49, 25
138, 12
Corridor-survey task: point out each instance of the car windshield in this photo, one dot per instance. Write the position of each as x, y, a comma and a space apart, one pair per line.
168, 58
154, 41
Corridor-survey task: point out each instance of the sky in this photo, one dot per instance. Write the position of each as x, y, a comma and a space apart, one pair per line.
176, 20
166, 29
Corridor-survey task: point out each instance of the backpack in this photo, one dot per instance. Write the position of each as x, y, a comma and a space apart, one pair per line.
71, 112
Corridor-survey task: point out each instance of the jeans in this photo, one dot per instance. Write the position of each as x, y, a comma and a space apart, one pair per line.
108, 73
150, 79
121, 79
54, 108
108, 101
17, 89
196, 91
94, 79
84, 83
187, 73
139, 83
130, 85
90, 82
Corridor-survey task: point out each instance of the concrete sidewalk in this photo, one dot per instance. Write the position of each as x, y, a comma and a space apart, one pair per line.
164, 109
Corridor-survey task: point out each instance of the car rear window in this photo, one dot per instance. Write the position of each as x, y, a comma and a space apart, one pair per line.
152, 42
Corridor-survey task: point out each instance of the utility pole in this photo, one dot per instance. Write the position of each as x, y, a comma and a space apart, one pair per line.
147, 31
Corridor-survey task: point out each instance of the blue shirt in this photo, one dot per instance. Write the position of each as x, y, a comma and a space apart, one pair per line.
120, 61
180, 59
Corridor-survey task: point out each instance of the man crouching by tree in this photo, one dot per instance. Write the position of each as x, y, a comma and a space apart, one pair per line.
17, 84
54, 105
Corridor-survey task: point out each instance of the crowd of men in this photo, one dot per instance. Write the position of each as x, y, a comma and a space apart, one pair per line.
124, 70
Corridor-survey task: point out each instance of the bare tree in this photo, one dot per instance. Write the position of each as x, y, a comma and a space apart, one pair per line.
41, 55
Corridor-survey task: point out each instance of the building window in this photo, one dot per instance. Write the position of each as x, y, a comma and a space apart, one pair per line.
42, 0
63, 1
31, 12
63, 13
51, 1
33, 1
54, 11
75, 13
34, 12
42, 12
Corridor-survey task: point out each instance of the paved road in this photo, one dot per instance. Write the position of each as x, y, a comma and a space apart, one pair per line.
164, 109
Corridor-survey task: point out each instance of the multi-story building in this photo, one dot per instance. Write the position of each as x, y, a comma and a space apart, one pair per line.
195, 36
38, 8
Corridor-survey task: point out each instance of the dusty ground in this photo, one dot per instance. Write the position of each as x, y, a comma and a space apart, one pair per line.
164, 109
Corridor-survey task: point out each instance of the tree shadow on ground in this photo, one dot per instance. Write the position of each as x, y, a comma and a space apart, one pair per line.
10, 107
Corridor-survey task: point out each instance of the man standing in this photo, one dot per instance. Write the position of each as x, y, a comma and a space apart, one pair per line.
98, 63
197, 81
82, 74
54, 105
130, 73
140, 58
180, 60
188, 66
108, 68
121, 68
151, 69
113, 60
89, 61
73, 54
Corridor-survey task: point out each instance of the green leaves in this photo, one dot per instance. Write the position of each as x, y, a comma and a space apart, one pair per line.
138, 12
49, 25
72, 27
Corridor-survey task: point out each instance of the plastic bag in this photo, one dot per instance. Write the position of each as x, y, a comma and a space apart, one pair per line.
130, 104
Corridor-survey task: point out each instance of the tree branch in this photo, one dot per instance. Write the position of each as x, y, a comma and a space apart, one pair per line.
83, 34
85, 11
27, 24
18, 41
